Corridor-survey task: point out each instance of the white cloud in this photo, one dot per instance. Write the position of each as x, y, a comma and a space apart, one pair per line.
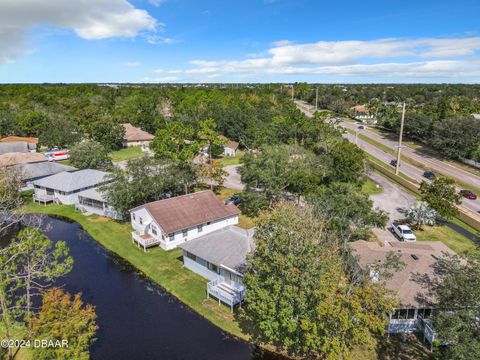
131, 63
156, 3
282, 43
156, 39
89, 19
383, 58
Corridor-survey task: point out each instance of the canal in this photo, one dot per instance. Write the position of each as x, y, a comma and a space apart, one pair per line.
137, 319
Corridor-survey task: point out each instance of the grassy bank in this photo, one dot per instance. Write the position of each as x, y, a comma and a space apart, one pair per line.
127, 153
164, 267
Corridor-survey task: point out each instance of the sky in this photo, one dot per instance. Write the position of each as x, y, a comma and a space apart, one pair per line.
165, 41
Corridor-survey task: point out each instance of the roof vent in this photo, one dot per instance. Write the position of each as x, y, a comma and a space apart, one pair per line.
414, 257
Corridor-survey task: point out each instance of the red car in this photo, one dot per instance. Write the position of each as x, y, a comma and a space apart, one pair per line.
468, 194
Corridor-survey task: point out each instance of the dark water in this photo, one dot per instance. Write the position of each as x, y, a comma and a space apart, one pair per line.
138, 320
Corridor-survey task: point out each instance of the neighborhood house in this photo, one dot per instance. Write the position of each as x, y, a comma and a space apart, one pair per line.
171, 222
64, 187
221, 258
35, 171
135, 136
419, 258
30, 141
230, 147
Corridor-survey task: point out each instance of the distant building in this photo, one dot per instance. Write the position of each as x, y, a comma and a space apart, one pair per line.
31, 141
65, 187
230, 147
361, 113
135, 136
171, 222
419, 258
221, 258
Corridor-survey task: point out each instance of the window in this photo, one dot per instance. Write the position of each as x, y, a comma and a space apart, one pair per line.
185, 233
133, 216
191, 256
154, 230
163, 237
140, 220
200, 228
171, 237
208, 223
212, 267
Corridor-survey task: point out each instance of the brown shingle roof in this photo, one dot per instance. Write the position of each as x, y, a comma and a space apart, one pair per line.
30, 140
404, 282
16, 158
133, 133
189, 210
229, 143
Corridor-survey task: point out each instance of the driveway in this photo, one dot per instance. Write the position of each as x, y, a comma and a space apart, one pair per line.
232, 179
393, 200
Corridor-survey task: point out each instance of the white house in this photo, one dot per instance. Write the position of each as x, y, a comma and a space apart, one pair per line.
419, 258
93, 201
220, 257
230, 147
361, 113
171, 222
65, 186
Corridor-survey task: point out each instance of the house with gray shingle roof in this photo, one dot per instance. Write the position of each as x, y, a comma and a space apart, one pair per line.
221, 258
65, 186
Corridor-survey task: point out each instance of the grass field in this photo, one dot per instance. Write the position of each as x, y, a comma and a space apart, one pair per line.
232, 160
127, 153
371, 188
449, 237
164, 267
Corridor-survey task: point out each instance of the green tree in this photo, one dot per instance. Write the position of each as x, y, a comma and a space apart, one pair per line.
108, 133
10, 197
62, 317
145, 180
421, 214
299, 296
347, 163
60, 132
37, 263
457, 293
442, 196
90, 155
32, 123
252, 203
208, 136
347, 212
211, 174
175, 141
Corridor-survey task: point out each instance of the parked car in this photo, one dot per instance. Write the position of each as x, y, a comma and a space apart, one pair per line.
393, 163
429, 175
403, 232
235, 200
468, 194
361, 127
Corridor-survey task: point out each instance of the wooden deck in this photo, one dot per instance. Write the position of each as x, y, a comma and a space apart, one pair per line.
144, 240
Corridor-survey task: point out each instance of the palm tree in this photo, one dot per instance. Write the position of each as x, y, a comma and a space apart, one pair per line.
421, 214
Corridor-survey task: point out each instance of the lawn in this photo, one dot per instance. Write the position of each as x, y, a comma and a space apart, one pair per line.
232, 160
127, 153
244, 221
449, 237
163, 267
370, 187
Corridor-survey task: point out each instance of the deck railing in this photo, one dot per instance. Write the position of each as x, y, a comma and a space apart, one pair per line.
225, 293
144, 241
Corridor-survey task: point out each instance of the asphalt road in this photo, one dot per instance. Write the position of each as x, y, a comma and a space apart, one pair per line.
411, 171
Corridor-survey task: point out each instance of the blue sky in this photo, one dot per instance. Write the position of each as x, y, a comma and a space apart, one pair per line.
239, 41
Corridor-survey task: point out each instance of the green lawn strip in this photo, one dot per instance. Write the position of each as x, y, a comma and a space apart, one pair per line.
370, 187
127, 153
389, 168
164, 267
232, 160
446, 235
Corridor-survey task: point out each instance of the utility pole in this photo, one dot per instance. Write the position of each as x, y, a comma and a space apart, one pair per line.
399, 151
292, 92
316, 100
